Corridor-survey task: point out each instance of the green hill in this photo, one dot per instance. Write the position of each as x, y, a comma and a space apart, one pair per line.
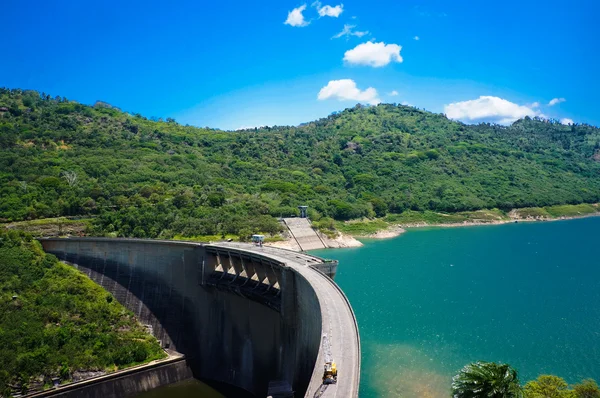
144, 178
56, 322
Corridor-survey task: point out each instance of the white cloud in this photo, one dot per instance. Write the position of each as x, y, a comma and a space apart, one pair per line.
345, 89
535, 105
555, 101
347, 31
329, 11
566, 120
393, 93
416, 38
489, 109
373, 54
406, 103
295, 17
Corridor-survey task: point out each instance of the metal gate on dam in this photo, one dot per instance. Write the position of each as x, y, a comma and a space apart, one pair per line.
243, 315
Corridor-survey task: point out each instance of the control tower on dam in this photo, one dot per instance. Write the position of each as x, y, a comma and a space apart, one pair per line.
244, 316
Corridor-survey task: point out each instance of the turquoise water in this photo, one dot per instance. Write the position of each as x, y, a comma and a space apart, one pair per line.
430, 301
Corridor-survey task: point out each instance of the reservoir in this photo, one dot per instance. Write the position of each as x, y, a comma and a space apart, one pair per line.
435, 299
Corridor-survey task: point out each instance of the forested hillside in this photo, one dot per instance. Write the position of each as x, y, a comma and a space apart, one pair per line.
56, 322
144, 178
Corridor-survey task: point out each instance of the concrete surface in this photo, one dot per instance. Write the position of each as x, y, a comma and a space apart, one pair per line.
302, 232
243, 315
125, 383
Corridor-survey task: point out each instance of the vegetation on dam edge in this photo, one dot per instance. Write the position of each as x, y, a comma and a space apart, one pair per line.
56, 322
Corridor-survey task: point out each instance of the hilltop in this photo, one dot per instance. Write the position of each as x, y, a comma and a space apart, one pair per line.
131, 176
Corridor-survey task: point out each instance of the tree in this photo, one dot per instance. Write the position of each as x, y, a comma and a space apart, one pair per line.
587, 389
70, 177
548, 386
379, 206
486, 380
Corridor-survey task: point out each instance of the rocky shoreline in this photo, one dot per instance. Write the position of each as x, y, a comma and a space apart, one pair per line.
341, 241
514, 219
346, 241
391, 232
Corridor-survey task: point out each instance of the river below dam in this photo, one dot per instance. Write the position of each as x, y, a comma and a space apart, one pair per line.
184, 389
435, 299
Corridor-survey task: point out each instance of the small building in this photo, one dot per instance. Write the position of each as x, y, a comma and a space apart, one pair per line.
303, 210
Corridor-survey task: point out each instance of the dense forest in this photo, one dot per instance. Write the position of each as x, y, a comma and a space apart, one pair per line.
156, 178
55, 322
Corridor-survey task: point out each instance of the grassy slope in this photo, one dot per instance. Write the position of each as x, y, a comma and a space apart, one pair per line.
54, 320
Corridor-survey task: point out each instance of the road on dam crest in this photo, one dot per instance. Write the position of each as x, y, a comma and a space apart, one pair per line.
338, 322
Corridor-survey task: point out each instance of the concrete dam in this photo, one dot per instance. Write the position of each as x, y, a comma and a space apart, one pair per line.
245, 316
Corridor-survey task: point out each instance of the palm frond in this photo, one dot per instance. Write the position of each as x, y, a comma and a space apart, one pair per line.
486, 380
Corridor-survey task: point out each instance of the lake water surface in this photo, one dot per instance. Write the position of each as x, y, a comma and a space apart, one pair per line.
433, 300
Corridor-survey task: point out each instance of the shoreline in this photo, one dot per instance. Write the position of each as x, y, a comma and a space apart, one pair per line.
396, 229
515, 220
342, 241
345, 240
390, 232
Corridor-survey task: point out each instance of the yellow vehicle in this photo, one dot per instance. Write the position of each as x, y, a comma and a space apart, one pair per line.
330, 374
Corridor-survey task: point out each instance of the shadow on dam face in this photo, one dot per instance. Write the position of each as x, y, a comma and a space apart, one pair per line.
169, 315
242, 319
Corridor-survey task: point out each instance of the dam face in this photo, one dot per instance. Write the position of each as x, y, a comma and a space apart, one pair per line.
243, 315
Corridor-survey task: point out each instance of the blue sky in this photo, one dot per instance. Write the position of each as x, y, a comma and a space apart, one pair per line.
238, 64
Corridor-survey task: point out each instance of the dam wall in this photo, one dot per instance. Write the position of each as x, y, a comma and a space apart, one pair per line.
243, 316
126, 383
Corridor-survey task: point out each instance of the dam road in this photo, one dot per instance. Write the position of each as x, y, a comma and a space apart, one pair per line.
243, 316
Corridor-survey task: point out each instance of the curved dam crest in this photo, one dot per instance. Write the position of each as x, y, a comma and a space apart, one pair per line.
243, 315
